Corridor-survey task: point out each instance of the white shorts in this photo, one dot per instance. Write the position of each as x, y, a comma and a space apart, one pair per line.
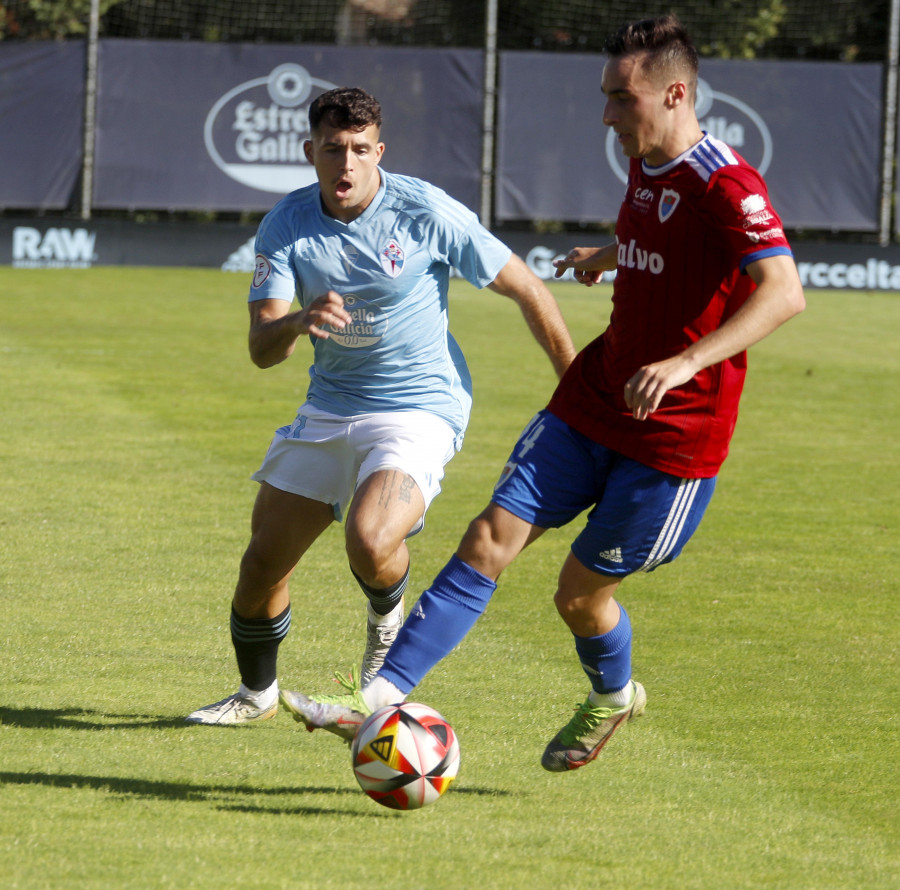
324, 456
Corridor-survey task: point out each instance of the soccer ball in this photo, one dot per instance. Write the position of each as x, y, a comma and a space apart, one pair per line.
405, 756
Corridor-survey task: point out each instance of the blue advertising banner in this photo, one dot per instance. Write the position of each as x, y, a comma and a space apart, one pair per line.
221, 126
812, 128
41, 106
46, 243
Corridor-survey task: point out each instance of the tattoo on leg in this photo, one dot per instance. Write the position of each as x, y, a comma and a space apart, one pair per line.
404, 490
406, 486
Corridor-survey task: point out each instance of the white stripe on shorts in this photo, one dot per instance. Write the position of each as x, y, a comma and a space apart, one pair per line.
674, 524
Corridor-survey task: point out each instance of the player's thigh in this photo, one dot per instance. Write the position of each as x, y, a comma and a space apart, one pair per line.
386, 507
643, 520
494, 539
401, 457
283, 527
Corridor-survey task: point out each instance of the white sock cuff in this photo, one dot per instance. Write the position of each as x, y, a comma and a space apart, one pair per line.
620, 699
395, 616
262, 698
381, 692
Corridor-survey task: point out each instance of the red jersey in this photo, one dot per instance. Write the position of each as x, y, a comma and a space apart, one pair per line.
685, 233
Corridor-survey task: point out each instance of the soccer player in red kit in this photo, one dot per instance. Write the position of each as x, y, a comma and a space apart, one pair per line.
641, 422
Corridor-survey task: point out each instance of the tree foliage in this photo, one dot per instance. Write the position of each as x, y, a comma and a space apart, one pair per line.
744, 29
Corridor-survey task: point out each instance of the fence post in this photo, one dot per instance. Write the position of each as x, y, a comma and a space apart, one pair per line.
90, 112
489, 105
889, 149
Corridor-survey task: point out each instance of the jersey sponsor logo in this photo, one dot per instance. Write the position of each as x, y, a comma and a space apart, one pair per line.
392, 258
632, 256
254, 133
756, 211
757, 219
642, 200
261, 270
667, 203
55, 248
753, 204
724, 117
767, 235
368, 324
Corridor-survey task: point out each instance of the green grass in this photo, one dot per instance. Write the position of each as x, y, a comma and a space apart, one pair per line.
768, 756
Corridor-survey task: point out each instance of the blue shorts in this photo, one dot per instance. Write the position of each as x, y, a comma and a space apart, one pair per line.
639, 518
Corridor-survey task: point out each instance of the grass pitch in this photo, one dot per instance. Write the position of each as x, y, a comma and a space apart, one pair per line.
131, 420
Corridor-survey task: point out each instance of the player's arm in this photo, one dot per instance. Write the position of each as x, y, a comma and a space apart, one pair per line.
274, 329
516, 281
588, 263
777, 297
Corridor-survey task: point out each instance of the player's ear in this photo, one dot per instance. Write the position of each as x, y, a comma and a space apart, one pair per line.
307, 150
676, 93
380, 149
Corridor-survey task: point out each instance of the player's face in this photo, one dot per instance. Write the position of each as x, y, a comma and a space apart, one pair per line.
636, 109
346, 163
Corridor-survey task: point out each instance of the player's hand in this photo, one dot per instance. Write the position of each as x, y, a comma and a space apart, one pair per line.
578, 259
645, 390
325, 310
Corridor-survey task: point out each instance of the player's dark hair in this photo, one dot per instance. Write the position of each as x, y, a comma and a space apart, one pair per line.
667, 44
345, 108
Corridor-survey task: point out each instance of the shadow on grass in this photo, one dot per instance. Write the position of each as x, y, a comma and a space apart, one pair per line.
82, 718
225, 797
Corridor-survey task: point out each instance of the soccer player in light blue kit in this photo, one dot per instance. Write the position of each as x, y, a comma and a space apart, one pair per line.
367, 256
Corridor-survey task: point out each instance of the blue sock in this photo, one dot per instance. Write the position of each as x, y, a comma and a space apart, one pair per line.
437, 623
606, 659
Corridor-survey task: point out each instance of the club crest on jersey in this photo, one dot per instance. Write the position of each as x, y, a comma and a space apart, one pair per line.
392, 258
667, 204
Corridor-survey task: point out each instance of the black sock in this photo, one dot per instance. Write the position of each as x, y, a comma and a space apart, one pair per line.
256, 642
385, 599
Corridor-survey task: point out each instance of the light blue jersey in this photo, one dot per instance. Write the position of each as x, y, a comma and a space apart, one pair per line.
392, 267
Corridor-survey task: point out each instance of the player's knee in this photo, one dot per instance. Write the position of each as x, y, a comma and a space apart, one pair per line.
565, 605
253, 567
574, 608
483, 548
261, 569
369, 551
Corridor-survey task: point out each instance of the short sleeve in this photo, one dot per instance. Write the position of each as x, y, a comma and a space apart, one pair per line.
273, 270
478, 255
740, 200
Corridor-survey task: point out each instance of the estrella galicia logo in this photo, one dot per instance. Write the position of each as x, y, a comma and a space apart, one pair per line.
722, 116
368, 324
255, 132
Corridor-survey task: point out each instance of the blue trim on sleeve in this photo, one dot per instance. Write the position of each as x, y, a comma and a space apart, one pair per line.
762, 254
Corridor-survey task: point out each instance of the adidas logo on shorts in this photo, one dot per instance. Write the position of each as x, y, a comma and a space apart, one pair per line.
613, 555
